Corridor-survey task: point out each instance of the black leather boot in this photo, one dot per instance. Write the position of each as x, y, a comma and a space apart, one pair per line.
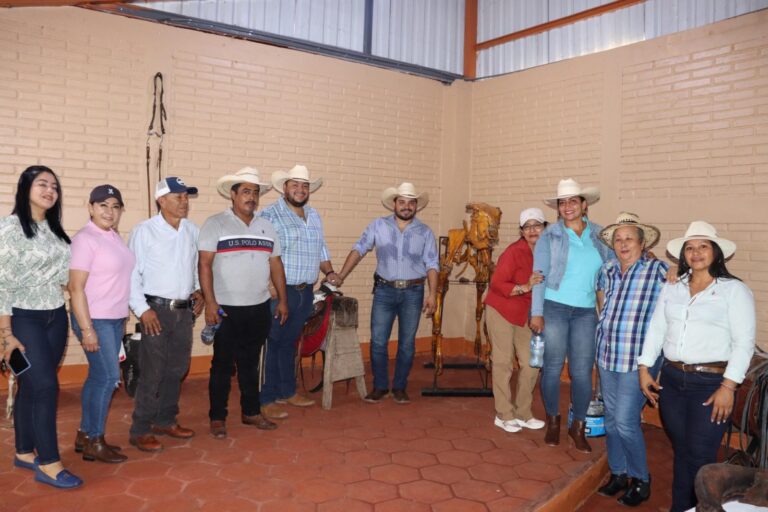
96, 449
576, 433
616, 484
81, 438
638, 492
552, 435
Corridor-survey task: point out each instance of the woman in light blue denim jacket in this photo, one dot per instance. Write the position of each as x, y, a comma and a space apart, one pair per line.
569, 254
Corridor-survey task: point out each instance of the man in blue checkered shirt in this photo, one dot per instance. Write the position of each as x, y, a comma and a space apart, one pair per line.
304, 255
406, 257
628, 289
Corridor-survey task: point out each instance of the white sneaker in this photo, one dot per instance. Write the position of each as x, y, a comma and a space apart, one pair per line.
532, 423
508, 426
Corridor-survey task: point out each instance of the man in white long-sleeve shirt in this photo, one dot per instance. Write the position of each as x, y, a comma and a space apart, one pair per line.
165, 296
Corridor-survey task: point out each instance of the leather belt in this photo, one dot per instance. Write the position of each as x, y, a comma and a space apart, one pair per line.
169, 303
398, 283
717, 367
298, 287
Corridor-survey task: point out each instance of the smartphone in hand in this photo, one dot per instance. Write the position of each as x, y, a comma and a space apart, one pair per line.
18, 362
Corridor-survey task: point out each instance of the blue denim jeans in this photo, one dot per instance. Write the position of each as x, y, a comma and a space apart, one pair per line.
44, 336
405, 305
695, 439
568, 331
624, 437
280, 361
103, 373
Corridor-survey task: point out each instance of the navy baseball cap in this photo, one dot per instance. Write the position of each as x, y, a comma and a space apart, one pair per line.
104, 192
172, 185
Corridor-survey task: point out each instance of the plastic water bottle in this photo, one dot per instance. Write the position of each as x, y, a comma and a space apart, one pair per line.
209, 331
537, 351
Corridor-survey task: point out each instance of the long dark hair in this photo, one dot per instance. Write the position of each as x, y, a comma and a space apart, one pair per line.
716, 268
23, 210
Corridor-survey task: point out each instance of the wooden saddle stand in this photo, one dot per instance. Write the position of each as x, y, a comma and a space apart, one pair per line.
331, 329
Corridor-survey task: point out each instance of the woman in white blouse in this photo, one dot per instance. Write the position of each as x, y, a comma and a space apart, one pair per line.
34, 263
705, 325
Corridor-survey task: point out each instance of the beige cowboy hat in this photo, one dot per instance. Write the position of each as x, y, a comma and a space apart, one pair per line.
297, 173
404, 190
569, 188
244, 175
651, 234
700, 230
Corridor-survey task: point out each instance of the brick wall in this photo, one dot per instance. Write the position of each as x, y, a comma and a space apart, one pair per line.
698, 116
674, 129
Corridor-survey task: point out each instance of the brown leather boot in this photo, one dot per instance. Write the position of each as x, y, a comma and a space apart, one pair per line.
96, 449
81, 438
576, 433
552, 435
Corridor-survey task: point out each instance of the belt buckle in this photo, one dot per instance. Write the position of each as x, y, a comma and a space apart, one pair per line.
400, 283
174, 304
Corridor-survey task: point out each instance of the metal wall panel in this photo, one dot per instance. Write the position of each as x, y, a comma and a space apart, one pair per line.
429, 33
646, 20
668, 16
330, 22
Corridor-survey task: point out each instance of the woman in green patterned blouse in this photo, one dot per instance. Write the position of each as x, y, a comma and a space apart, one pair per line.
34, 266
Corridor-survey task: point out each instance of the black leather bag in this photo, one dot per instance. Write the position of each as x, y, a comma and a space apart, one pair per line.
130, 367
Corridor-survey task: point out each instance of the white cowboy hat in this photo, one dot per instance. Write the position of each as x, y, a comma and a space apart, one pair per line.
700, 230
244, 175
404, 190
297, 173
651, 234
569, 188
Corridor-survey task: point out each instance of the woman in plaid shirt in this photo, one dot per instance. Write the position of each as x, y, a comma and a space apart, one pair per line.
627, 291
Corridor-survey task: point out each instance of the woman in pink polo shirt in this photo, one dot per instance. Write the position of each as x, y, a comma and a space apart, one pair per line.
99, 287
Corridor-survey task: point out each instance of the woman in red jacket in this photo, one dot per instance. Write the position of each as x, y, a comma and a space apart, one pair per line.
506, 315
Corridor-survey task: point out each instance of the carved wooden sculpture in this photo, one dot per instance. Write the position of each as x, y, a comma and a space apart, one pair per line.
473, 246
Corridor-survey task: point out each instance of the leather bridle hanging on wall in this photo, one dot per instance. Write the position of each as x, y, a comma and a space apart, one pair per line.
159, 116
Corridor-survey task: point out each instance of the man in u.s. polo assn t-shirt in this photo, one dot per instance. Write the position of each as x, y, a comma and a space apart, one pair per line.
239, 255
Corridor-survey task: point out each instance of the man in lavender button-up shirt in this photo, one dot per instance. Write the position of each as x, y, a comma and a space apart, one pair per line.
406, 255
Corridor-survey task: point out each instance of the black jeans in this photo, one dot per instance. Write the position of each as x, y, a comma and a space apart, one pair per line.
695, 439
238, 341
163, 363
44, 336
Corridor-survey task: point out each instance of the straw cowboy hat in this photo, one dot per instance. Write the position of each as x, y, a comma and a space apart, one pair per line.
244, 175
404, 190
700, 230
650, 233
569, 188
297, 173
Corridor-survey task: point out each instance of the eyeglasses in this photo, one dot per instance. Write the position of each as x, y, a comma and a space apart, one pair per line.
533, 227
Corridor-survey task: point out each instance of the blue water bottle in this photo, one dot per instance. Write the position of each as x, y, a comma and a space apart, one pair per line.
209, 331
537, 351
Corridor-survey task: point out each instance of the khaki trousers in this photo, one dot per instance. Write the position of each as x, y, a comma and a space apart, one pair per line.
507, 342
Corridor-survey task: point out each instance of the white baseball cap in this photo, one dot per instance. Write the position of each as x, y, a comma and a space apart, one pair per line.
531, 214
